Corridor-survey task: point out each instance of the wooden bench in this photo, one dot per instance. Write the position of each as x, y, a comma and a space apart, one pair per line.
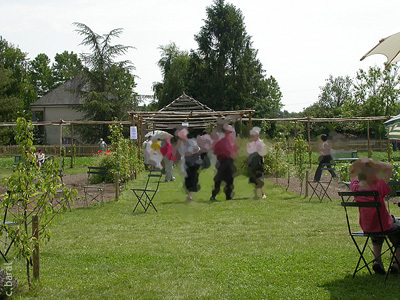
95, 192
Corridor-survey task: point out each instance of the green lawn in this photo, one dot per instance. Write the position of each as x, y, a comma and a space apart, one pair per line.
283, 247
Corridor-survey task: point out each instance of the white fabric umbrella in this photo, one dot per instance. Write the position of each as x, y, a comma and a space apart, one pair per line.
390, 47
155, 132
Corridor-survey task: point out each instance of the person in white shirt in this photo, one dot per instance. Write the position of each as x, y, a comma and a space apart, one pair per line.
40, 158
324, 159
256, 151
102, 145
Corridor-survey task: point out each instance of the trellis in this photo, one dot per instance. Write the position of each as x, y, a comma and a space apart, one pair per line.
310, 120
192, 117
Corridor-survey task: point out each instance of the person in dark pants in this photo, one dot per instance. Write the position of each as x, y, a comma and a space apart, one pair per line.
324, 159
189, 153
225, 150
256, 150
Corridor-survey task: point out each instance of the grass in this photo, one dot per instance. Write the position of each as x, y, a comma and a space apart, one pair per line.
283, 247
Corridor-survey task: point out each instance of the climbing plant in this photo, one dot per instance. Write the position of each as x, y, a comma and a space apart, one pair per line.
301, 157
32, 191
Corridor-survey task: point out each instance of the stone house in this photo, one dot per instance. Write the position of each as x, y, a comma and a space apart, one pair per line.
59, 104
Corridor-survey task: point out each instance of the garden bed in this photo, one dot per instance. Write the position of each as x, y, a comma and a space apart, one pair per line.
295, 186
78, 181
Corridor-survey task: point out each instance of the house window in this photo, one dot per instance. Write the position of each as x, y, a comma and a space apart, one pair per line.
37, 116
66, 140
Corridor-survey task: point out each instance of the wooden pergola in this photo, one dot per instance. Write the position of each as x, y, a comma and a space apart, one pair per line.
183, 111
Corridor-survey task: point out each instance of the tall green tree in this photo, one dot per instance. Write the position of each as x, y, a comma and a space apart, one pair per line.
333, 96
65, 67
376, 93
174, 65
16, 62
225, 71
40, 75
16, 92
110, 84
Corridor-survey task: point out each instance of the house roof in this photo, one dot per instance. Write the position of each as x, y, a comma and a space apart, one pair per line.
63, 95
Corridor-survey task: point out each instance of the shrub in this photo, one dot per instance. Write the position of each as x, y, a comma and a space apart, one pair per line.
396, 172
275, 161
344, 172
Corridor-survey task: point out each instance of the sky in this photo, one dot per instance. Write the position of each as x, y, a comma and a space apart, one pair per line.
299, 43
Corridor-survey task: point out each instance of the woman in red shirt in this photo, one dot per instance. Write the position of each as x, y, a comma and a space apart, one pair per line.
369, 175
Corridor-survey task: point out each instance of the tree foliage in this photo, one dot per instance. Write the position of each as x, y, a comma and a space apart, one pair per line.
65, 67
16, 93
40, 75
110, 84
224, 72
376, 94
174, 65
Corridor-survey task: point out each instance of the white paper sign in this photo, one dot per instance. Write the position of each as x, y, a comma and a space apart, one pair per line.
185, 124
133, 130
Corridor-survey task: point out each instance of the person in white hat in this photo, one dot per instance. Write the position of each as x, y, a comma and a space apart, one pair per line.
256, 151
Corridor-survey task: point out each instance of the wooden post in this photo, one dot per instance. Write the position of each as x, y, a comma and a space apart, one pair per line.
309, 140
35, 256
307, 173
369, 149
116, 187
60, 138
250, 113
72, 145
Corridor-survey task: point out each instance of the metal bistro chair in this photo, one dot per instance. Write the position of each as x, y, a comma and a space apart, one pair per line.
320, 188
95, 192
353, 218
146, 195
395, 193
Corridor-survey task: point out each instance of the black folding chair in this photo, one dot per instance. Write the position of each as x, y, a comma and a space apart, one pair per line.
320, 188
95, 192
353, 220
393, 196
145, 196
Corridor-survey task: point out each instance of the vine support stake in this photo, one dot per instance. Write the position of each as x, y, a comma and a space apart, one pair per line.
307, 173
35, 255
116, 187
